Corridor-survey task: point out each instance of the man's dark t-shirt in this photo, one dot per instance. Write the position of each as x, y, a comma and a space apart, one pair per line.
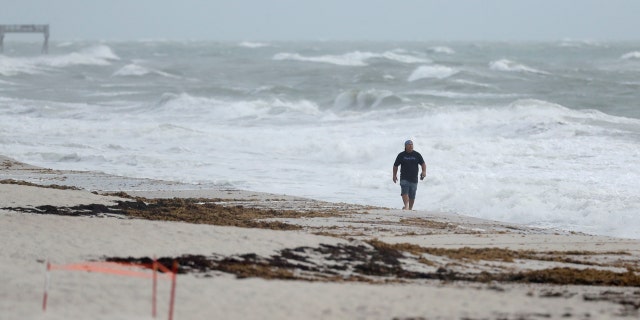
409, 163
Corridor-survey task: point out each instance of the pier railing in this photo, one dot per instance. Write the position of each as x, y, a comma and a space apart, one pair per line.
25, 28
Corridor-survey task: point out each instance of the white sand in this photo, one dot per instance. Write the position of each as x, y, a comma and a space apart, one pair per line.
28, 196
28, 239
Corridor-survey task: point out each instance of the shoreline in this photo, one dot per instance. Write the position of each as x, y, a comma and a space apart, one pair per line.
296, 257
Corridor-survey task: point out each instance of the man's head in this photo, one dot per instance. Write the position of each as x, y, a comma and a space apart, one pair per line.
408, 146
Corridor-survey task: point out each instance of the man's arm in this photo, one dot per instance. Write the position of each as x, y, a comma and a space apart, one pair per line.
395, 174
424, 171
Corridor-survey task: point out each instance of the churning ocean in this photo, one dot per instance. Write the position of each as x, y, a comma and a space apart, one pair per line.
544, 134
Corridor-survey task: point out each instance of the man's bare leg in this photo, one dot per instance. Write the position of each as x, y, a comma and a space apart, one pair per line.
405, 199
411, 201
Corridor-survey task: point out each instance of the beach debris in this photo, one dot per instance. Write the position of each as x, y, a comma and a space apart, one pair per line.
376, 261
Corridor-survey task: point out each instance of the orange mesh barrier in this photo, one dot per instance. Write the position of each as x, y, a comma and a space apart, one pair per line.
116, 268
122, 269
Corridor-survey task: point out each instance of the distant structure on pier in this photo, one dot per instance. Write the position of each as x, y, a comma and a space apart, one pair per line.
25, 28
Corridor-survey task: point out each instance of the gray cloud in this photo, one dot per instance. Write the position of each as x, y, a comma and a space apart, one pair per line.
330, 19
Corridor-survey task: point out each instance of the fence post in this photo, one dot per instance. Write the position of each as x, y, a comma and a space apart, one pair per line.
155, 287
46, 285
173, 288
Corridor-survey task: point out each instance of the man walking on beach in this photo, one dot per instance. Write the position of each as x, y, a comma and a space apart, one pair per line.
408, 160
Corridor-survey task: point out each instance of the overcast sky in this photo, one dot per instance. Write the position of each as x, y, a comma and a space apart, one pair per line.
268, 20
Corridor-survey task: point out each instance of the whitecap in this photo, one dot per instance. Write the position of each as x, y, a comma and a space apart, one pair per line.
462, 95
112, 94
635, 55
203, 107
101, 52
96, 55
253, 45
473, 83
404, 58
441, 49
7, 83
10, 66
352, 100
131, 70
138, 70
511, 66
432, 71
573, 43
353, 59
99, 55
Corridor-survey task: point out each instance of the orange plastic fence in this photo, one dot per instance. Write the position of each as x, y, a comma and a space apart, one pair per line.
116, 268
122, 269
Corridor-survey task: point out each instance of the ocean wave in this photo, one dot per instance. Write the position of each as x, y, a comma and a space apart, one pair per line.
99, 55
473, 83
273, 89
253, 45
433, 71
441, 49
13, 66
353, 59
511, 66
100, 52
635, 55
543, 118
403, 58
7, 83
525, 119
461, 95
133, 69
572, 43
205, 108
358, 100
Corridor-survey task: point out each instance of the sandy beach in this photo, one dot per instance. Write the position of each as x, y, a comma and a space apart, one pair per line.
249, 255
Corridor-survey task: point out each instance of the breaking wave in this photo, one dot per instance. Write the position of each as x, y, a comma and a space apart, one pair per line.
207, 109
635, 55
353, 59
138, 70
253, 45
99, 55
442, 49
362, 100
511, 66
434, 71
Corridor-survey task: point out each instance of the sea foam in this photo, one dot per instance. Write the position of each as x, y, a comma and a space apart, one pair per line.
99, 55
95, 55
635, 55
10, 66
442, 50
354, 59
359, 100
253, 45
134, 69
432, 71
511, 66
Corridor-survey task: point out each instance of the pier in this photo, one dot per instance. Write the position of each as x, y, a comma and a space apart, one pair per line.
25, 28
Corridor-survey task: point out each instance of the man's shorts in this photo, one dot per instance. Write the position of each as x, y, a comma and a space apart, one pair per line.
408, 187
